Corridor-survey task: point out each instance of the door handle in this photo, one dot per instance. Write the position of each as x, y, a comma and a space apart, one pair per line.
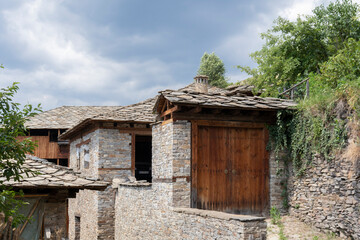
233, 171
226, 171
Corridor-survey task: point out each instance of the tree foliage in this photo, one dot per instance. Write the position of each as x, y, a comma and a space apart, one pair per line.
295, 49
12, 151
212, 66
325, 48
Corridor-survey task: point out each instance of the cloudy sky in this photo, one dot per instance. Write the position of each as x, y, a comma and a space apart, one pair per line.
118, 52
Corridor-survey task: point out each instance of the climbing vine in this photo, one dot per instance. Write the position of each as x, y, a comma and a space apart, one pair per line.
304, 136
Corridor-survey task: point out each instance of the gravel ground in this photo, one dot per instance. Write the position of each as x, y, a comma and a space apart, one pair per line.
297, 230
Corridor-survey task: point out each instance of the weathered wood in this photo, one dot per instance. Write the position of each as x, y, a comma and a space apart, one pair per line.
267, 117
194, 147
45, 149
171, 110
133, 142
230, 167
195, 110
167, 121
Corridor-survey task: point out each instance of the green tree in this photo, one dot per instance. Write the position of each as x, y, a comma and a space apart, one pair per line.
294, 49
12, 151
212, 66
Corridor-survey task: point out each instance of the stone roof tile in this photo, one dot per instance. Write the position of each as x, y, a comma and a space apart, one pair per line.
216, 100
54, 176
65, 117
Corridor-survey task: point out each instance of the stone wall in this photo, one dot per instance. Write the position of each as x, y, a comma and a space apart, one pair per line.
78, 146
171, 159
146, 212
328, 196
278, 182
110, 157
85, 207
55, 218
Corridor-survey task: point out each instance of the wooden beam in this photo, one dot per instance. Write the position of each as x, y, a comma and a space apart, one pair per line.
246, 117
195, 109
29, 216
194, 160
169, 111
133, 154
217, 111
167, 121
83, 143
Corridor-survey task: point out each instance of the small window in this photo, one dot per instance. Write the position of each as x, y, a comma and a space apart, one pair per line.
53, 137
143, 158
78, 158
77, 228
39, 132
86, 157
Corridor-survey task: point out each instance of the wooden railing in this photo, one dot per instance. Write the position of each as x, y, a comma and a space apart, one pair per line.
293, 89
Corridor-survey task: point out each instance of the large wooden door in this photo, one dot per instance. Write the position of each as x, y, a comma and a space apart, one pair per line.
230, 168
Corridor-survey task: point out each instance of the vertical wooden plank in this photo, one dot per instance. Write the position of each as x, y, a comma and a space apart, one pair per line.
194, 149
133, 153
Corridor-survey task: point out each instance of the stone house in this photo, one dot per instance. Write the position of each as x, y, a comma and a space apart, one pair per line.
44, 128
47, 193
112, 145
206, 163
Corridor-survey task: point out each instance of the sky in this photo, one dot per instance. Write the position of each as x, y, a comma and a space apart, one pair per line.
96, 52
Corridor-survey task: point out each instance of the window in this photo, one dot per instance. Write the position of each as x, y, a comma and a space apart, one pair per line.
77, 228
86, 157
78, 158
39, 132
143, 148
53, 135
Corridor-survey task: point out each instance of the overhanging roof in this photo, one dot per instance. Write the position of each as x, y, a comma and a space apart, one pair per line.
53, 176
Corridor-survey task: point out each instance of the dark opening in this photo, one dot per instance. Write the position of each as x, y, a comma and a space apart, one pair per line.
52, 160
63, 162
143, 158
62, 131
77, 228
39, 132
53, 135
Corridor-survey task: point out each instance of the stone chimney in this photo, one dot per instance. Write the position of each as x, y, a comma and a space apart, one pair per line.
201, 83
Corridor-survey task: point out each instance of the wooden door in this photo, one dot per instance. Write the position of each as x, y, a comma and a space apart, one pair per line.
230, 169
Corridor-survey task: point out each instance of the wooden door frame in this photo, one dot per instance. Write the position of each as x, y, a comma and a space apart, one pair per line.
194, 144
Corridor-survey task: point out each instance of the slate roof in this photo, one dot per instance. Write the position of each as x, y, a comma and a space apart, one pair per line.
240, 90
211, 89
140, 112
53, 176
223, 101
65, 117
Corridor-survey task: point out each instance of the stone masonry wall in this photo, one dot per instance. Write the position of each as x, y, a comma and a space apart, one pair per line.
150, 211
84, 206
145, 212
93, 147
328, 196
171, 159
55, 218
86, 201
114, 152
277, 182
110, 157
